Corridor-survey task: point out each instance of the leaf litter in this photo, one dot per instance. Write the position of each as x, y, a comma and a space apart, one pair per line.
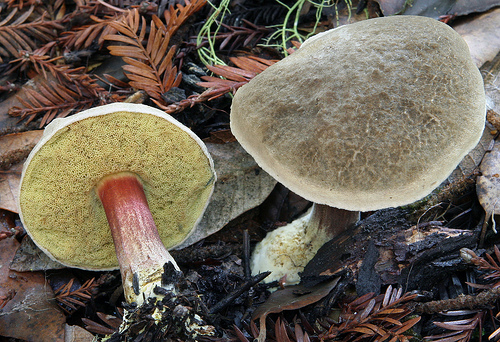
63, 84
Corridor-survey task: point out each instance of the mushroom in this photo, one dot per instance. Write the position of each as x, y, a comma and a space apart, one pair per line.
113, 186
366, 116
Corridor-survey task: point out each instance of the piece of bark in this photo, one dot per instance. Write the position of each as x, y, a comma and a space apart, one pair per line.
400, 253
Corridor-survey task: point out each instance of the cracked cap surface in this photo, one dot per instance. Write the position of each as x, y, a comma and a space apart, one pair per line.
370, 115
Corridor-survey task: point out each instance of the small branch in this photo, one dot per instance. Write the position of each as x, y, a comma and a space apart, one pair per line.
246, 254
235, 294
480, 301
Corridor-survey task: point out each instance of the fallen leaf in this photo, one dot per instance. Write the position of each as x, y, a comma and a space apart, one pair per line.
30, 258
31, 313
291, 298
74, 333
469, 164
435, 8
241, 185
482, 34
8, 248
491, 76
15, 146
14, 150
220, 137
488, 185
9, 184
9, 123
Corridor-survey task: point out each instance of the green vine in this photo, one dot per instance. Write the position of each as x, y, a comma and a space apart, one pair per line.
349, 10
285, 32
208, 54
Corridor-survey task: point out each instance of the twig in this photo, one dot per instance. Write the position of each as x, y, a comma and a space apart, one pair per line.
236, 293
480, 301
246, 254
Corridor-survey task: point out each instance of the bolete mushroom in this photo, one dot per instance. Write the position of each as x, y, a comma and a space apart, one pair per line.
129, 165
366, 116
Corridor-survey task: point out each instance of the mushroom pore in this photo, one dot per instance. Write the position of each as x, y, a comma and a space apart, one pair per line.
127, 164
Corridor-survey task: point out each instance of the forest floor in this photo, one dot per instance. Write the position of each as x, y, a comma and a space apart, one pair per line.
429, 270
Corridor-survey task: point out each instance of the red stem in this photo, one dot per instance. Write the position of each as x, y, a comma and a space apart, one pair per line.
139, 249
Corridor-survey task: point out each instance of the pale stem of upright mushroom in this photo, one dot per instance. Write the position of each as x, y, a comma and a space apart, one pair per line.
287, 250
332, 221
139, 249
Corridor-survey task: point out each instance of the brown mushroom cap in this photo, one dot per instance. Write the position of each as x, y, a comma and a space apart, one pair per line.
58, 202
370, 115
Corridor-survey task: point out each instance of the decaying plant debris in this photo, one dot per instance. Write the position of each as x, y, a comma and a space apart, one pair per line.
400, 275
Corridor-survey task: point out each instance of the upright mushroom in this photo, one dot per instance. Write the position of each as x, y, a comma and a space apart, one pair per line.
366, 116
128, 165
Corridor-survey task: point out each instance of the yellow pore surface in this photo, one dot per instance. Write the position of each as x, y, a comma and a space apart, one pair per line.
59, 205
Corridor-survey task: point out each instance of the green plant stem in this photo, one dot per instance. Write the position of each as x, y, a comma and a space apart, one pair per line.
209, 56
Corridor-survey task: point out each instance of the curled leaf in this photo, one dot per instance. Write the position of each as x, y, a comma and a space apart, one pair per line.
488, 186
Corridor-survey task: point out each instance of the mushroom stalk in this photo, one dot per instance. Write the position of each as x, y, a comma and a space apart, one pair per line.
287, 250
331, 221
340, 148
68, 172
139, 249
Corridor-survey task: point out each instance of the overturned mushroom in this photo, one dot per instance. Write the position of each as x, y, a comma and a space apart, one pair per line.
370, 115
128, 165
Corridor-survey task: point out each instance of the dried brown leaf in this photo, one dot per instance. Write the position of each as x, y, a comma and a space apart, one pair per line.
143, 72
488, 186
252, 63
232, 73
290, 298
378, 318
96, 328
110, 320
67, 297
368, 329
360, 301
408, 325
280, 331
84, 36
459, 330
176, 16
14, 148
31, 313
389, 320
240, 334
